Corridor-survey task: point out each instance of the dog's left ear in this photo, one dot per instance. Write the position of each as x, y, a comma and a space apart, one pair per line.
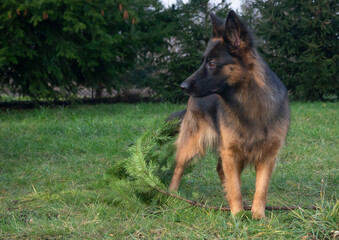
236, 33
217, 25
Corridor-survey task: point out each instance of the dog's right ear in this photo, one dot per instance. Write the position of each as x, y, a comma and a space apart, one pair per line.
236, 34
217, 24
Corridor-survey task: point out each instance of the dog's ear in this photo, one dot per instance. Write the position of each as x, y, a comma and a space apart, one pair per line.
236, 33
217, 24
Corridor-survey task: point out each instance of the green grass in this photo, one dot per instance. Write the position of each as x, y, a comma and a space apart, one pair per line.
53, 162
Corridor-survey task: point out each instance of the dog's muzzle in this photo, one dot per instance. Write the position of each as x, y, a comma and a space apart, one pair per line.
187, 86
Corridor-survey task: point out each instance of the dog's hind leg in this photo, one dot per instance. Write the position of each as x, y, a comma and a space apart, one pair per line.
187, 148
220, 171
190, 143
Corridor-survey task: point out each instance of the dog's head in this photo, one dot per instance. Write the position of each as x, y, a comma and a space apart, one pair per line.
222, 64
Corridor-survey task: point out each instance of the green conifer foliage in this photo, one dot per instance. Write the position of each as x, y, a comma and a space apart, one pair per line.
300, 43
48, 45
137, 180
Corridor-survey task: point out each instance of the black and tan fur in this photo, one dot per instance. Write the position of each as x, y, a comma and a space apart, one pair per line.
237, 106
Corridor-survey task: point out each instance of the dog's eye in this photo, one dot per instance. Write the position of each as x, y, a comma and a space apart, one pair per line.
211, 64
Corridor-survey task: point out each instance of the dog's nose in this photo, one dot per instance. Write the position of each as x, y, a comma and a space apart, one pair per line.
185, 86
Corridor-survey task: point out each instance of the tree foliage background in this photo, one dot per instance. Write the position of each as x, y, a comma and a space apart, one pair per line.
301, 44
50, 48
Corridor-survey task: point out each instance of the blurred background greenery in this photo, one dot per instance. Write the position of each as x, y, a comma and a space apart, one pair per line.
50, 49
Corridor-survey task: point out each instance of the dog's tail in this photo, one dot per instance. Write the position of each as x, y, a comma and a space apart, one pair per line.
177, 116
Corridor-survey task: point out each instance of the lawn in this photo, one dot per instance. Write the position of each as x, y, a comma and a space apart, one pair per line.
53, 163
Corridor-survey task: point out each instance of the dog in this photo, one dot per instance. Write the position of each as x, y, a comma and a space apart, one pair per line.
238, 107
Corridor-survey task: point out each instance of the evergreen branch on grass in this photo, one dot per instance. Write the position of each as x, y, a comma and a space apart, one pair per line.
134, 180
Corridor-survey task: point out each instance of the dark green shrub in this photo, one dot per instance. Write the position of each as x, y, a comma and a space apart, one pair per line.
50, 45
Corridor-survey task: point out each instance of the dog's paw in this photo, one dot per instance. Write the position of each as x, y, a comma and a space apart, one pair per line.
258, 213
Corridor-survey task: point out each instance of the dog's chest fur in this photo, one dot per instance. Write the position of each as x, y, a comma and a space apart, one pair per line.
245, 130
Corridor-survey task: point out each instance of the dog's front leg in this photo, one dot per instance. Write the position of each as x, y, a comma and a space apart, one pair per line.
264, 169
232, 168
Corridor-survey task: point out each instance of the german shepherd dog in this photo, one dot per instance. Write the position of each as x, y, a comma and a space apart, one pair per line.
239, 107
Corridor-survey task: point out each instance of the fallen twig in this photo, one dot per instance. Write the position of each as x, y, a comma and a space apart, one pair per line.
194, 203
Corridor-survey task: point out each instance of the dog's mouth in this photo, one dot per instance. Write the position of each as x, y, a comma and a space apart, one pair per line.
215, 90
200, 92
193, 94
203, 94
186, 91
